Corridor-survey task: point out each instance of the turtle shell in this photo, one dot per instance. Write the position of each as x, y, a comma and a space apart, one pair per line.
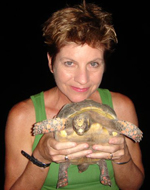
87, 121
70, 110
101, 127
91, 122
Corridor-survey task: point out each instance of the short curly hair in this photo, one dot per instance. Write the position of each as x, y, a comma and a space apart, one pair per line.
80, 24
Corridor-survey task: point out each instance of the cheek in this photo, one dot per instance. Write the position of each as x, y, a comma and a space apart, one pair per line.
97, 77
61, 75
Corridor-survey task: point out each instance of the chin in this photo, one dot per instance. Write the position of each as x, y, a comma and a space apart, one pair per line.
77, 99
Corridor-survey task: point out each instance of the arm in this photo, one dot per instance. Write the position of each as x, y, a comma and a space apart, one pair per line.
125, 110
20, 172
128, 176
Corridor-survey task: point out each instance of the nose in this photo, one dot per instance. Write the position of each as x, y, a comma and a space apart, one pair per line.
82, 76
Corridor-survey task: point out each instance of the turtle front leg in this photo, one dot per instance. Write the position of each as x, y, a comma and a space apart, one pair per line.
49, 125
63, 175
104, 177
130, 130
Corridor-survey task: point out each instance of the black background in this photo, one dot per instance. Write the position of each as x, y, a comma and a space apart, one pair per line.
23, 63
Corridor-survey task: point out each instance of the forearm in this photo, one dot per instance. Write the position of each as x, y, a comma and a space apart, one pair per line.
128, 176
33, 177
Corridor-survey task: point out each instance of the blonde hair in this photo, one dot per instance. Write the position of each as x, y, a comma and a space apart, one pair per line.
85, 23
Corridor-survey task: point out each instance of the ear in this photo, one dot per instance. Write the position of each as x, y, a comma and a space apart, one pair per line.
50, 62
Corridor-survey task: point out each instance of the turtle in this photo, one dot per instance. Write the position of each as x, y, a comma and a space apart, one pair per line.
91, 122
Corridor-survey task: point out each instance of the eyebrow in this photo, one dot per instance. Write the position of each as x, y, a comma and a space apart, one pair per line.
70, 59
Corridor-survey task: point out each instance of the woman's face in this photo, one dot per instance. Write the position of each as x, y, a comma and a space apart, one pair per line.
78, 70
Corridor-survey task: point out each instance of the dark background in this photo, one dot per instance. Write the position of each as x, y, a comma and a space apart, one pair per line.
23, 64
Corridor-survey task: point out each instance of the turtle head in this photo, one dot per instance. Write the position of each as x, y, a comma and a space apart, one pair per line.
81, 123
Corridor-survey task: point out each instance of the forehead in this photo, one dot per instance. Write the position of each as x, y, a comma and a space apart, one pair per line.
74, 50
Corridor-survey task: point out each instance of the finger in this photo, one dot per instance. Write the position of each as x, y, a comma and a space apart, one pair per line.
61, 145
72, 150
107, 156
80, 154
55, 150
117, 140
99, 155
76, 155
108, 148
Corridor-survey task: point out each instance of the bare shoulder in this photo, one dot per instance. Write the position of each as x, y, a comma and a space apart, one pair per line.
21, 110
23, 106
21, 117
124, 107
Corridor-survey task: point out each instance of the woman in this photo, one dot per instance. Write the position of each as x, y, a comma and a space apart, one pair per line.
78, 39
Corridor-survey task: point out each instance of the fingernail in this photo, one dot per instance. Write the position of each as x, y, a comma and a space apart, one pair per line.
86, 146
89, 154
111, 141
74, 144
95, 147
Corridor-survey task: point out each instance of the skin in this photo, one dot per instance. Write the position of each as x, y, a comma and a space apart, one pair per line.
78, 71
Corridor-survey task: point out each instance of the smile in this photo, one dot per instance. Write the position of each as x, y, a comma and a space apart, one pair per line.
79, 89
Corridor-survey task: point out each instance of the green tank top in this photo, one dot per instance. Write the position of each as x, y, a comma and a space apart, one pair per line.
89, 179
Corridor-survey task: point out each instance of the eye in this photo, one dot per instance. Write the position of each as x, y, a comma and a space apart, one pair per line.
68, 63
94, 64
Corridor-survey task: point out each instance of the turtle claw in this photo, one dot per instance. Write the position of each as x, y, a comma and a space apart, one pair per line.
105, 180
62, 183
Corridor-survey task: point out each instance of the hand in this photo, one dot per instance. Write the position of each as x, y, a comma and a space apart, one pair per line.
115, 150
50, 150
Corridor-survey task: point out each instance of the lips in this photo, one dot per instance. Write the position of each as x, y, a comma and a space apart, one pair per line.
79, 89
